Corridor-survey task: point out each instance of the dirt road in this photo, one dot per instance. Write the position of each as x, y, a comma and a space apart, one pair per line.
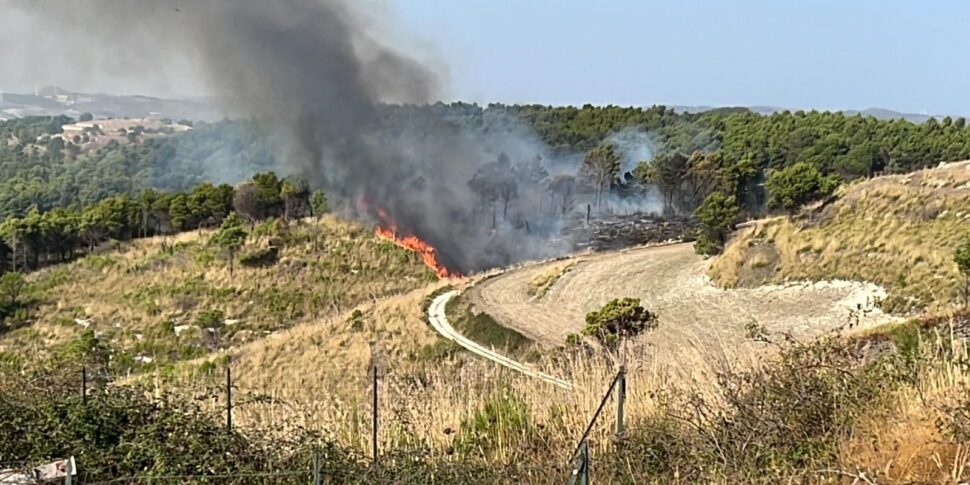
438, 319
694, 315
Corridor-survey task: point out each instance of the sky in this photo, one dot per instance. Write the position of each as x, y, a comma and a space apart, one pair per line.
910, 56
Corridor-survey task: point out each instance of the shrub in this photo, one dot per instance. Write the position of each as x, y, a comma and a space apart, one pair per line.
356, 320
260, 258
618, 319
210, 319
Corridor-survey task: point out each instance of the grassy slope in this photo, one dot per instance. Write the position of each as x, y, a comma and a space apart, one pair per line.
897, 231
137, 296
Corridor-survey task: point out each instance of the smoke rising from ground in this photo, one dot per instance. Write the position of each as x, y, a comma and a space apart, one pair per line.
314, 69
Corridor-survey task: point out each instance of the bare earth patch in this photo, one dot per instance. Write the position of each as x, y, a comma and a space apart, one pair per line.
697, 319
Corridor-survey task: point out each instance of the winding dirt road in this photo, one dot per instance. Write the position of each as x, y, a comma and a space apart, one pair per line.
695, 317
438, 319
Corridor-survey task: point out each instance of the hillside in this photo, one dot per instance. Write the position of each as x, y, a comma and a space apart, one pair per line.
166, 299
897, 231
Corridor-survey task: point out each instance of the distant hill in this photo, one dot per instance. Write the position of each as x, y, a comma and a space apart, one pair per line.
52, 101
878, 113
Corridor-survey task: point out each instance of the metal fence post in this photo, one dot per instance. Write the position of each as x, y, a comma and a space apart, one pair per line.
228, 400
84, 386
316, 465
374, 414
69, 470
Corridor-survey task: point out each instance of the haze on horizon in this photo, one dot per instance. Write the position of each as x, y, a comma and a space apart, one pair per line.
904, 56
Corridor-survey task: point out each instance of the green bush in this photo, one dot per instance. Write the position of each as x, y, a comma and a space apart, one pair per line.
260, 258
210, 319
618, 319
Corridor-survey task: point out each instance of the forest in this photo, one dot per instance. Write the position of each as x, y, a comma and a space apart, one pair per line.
720, 165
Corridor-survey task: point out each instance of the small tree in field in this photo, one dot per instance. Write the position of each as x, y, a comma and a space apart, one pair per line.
619, 319
230, 237
319, 204
12, 287
962, 257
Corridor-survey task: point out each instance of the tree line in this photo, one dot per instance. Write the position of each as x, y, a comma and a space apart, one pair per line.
755, 163
61, 234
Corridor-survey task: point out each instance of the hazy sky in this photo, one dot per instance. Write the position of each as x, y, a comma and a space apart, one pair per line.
911, 56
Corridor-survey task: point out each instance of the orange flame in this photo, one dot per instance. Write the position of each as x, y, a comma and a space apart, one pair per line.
413, 243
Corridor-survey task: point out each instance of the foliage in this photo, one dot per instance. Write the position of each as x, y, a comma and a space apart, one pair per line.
119, 432
779, 420
716, 217
319, 204
12, 287
483, 329
260, 257
797, 184
503, 418
230, 237
618, 319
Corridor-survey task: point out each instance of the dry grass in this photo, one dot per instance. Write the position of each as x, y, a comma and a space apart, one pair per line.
287, 383
541, 282
157, 298
907, 444
896, 231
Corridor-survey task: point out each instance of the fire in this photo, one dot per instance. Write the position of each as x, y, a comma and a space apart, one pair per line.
413, 243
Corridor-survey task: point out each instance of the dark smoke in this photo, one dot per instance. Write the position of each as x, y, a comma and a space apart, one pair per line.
313, 68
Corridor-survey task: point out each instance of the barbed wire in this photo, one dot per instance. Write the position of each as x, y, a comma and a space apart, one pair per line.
150, 478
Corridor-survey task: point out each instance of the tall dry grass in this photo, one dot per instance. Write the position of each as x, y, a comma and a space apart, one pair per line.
428, 405
913, 441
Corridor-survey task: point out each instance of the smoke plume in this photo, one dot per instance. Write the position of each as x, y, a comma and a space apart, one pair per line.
315, 69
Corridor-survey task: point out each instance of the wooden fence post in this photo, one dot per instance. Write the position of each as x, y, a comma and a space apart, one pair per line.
620, 398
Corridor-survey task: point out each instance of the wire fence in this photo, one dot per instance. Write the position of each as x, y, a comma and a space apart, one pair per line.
223, 401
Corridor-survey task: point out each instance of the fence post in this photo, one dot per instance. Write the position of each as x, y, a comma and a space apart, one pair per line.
316, 465
588, 210
620, 398
84, 386
228, 400
374, 414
